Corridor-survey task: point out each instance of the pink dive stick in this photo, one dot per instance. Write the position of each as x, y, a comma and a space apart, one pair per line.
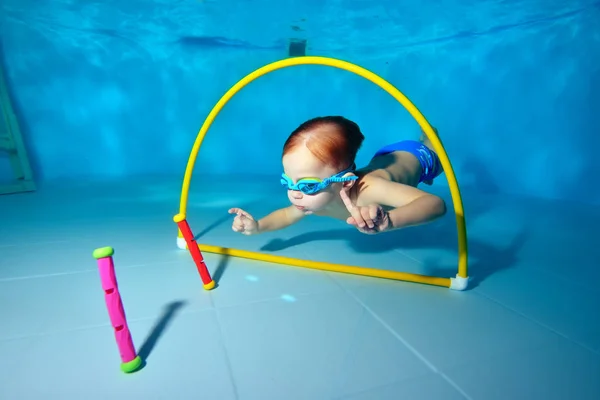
130, 361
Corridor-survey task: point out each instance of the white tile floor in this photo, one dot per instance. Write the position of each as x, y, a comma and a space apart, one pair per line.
528, 327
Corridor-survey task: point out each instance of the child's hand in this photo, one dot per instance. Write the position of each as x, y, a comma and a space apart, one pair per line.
243, 222
370, 220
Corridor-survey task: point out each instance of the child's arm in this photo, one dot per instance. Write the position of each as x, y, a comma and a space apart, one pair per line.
421, 210
411, 206
280, 219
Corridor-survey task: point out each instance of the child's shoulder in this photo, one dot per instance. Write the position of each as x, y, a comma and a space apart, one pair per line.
369, 186
378, 188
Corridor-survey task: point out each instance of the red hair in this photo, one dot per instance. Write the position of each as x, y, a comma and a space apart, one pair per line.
335, 141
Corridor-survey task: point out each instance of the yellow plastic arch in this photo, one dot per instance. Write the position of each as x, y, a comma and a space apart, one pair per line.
458, 283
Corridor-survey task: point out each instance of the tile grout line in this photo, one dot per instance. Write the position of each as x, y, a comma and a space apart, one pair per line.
92, 326
341, 378
540, 324
408, 346
552, 273
83, 271
268, 299
562, 278
225, 350
408, 256
56, 332
41, 276
35, 243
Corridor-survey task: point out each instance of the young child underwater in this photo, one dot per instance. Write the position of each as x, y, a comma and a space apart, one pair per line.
321, 179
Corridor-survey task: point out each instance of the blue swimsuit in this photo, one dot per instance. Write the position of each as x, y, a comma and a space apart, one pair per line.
431, 166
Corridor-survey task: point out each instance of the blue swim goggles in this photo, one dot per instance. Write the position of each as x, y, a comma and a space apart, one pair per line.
315, 185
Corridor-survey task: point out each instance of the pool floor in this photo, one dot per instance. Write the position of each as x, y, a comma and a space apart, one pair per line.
528, 326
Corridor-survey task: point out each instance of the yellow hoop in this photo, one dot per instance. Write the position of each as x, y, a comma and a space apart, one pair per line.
459, 283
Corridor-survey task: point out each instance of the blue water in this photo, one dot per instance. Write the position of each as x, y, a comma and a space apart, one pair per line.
110, 96
112, 90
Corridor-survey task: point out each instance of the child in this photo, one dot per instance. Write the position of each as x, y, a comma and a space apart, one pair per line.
320, 175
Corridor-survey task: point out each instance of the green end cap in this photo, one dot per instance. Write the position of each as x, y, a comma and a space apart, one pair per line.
132, 365
103, 252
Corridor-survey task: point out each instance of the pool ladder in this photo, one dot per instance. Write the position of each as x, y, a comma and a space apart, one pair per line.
11, 144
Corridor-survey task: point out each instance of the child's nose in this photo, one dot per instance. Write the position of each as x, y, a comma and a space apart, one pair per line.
297, 194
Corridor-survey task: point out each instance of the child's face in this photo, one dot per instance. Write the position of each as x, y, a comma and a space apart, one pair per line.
301, 163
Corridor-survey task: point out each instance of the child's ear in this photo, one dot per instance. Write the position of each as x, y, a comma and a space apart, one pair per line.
348, 184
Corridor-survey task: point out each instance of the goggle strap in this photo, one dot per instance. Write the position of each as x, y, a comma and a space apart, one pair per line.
341, 179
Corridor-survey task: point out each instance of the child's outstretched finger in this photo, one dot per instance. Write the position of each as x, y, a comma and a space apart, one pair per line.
346, 199
352, 209
239, 211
